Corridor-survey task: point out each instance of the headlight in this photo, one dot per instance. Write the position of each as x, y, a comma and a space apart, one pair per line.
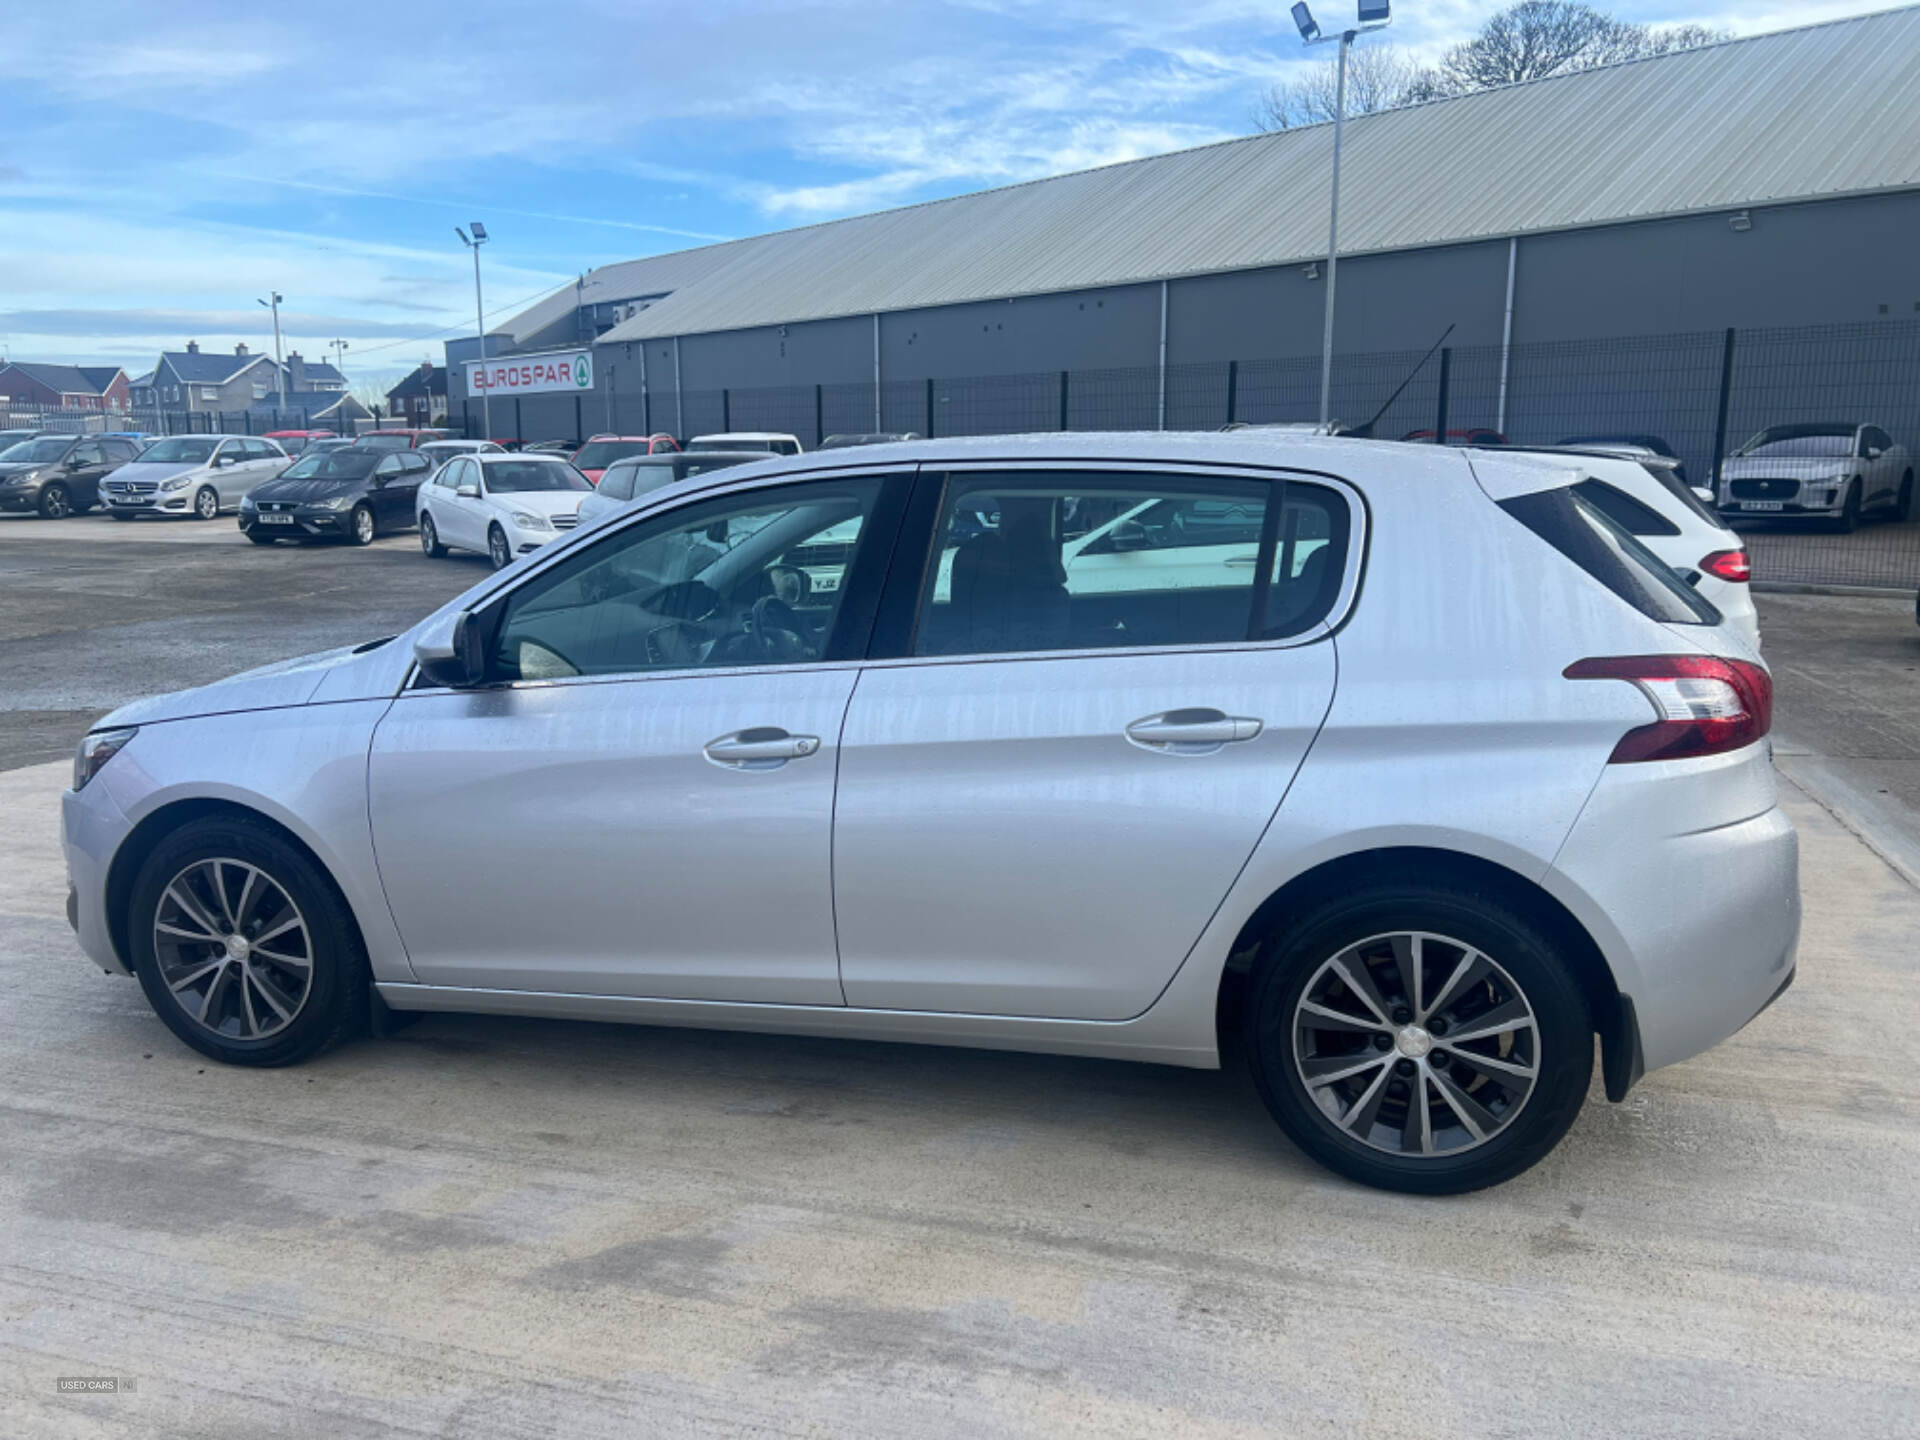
530, 522
96, 750
178, 482
247, 503
333, 502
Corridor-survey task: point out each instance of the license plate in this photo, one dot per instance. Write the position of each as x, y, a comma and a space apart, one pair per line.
1763, 504
276, 519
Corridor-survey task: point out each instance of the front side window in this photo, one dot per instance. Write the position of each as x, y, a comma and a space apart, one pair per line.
1036, 561
751, 579
617, 483
86, 455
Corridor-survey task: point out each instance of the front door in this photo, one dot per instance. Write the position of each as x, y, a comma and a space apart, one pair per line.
1044, 799
640, 801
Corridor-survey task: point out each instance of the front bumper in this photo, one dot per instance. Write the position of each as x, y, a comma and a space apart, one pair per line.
308, 523
177, 502
1687, 875
1785, 497
26, 497
92, 829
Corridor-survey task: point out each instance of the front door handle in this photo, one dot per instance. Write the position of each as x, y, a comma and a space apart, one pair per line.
1192, 732
764, 747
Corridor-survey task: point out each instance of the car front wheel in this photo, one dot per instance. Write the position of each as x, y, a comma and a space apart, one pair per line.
361, 527
206, 503
430, 538
1419, 1039
498, 551
243, 946
56, 502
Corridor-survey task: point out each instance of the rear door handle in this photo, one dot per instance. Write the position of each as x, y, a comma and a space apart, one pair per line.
1192, 732
764, 747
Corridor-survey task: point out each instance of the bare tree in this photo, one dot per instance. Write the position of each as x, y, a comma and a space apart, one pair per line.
1539, 38
1379, 77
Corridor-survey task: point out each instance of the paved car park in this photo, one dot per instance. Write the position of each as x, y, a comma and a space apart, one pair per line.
504, 1227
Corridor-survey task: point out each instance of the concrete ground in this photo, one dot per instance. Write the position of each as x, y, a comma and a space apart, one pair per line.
492, 1227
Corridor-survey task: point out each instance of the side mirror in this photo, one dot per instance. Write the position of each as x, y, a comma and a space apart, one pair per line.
1128, 535
74, 462
468, 491
449, 651
1874, 452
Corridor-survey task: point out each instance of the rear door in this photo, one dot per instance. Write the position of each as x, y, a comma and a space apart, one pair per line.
1049, 781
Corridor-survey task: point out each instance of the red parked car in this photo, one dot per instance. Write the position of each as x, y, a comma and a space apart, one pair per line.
592, 458
1479, 435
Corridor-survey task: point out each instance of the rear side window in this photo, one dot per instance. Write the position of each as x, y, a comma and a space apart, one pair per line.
1599, 545
1624, 510
1042, 560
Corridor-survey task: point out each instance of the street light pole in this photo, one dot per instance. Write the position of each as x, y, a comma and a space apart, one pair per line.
479, 319
1373, 15
279, 370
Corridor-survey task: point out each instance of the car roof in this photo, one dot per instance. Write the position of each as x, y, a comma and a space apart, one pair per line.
749, 435
492, 457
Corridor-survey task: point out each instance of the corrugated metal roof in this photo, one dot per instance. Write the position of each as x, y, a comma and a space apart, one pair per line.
1823, 111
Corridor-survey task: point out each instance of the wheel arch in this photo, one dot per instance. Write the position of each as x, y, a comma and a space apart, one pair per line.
154, 828
1612, 1011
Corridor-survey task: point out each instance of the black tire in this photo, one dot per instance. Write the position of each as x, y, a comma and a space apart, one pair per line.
361, 528
1562, 1040
430, 538
1849, 520
260, 539
335, 1004
499, 552
56, 501
206, 503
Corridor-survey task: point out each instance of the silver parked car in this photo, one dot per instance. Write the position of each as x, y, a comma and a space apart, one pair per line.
635, 478
1408, 761
192, 475
1840, 470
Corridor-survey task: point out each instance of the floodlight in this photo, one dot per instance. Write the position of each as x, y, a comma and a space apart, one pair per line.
1375, 12
479, 230
1303, 17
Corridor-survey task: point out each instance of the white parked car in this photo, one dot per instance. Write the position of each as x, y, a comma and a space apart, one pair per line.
773, 442
1420, 814
1843, 471
197, 475
501, 505
1647, 498
438, 452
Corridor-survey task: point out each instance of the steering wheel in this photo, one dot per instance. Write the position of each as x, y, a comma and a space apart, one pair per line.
776, 631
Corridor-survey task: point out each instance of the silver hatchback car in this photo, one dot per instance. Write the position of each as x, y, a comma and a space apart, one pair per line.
1406, 761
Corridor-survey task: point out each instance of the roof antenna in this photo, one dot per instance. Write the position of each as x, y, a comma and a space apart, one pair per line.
1365, 432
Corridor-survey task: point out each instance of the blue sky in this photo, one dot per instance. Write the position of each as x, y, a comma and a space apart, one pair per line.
163, 166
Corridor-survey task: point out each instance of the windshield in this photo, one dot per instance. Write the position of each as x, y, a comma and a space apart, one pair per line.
180, 450
1786, 440
513, 477
332, 465
39, 452
598, 454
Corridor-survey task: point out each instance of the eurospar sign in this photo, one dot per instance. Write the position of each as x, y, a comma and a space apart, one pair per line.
552, 374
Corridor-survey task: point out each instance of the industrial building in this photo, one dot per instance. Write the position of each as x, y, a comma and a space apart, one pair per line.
1759, 183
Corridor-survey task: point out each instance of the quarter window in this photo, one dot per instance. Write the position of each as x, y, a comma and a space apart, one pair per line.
1040, 561
753, 579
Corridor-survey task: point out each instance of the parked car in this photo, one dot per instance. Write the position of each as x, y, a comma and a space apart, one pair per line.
592, 458
59, 475
441, 451
1478, 435
295, 442
192, 475
316, 447
398, 439
626, 481
627, 780
840, 442
1654, 444
1840, 470
499, 505
563, 448
1642, 492
11, 438
770, 442
348, 494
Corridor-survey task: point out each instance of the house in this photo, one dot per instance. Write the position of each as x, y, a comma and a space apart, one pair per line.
421, 398
314, 409
201, 382
27, 385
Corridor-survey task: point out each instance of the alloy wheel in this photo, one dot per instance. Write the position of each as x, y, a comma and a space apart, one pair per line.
363, 527
233, 949
429, 537
497, 550
206, 504
55, 502
1416, 1044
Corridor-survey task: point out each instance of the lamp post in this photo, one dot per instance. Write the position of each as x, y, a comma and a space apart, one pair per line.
1373, 15
479, 318
279, 370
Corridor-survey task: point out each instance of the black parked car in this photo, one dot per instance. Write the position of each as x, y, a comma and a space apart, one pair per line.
350, 494
59, 475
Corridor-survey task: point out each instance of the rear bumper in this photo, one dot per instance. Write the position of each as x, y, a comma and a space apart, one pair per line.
1687, 875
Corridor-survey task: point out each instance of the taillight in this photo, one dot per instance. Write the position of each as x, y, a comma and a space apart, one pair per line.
1706, 705
1729, 565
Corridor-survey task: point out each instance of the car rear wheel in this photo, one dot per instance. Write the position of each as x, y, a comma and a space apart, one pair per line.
360, 529
430, 538
206, 503
498, 551
1419, 1039
243, 946
56, 501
